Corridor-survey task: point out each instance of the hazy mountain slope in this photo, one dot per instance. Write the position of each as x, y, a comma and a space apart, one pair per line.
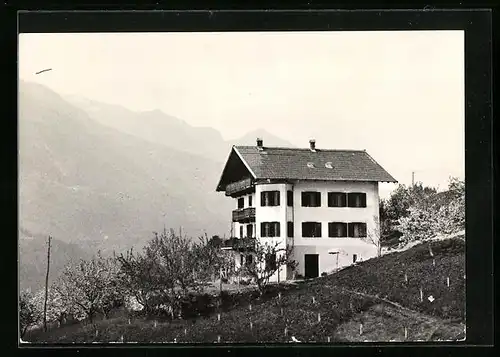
157, 127
86, 183
33, 259
268, 138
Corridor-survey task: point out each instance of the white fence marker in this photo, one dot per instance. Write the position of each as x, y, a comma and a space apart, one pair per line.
319, 317
328, 338
218, 338
360, 329
448, 281
155, 324
406, 333
121, 338
434, 262
96, 333
281, 311
421, 295
286, 331
218, 317
279, 296
406, 278
129, 321
313, 299
185, 332
251, 325
250, 307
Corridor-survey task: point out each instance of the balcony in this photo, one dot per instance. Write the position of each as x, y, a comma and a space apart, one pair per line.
239, 244
244, 215
240, 187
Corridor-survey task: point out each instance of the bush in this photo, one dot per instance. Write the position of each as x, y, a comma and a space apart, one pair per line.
324, 274
29, 313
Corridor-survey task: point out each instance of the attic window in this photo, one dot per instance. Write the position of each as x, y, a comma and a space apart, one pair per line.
310, 165
329, 165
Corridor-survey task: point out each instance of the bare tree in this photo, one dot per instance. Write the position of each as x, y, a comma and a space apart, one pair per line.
373, 236
268, 258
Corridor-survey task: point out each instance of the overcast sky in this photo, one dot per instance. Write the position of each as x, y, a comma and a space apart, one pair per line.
399, 95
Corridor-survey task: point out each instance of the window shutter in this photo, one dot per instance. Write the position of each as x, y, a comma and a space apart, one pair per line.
363, 229
290, 229
262, 198
263, 229
318, 229
363, 200
343, 199
330, 199
304, 199
277, 225
330, 227
350, 230
277, 198
249, 201
289, 195
241, 231
318, 199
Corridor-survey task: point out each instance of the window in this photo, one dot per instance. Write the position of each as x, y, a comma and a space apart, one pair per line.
337, 229
354, 258
270, 229
271, 262
356, 199
337, 199
250, 201
241, 202
289, 229
357, 230
311, 199
241, 231
250, 230
270, 198
289, 198
311, 229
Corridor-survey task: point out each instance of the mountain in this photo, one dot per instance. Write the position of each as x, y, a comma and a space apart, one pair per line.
268, 139
89, 184
158, 127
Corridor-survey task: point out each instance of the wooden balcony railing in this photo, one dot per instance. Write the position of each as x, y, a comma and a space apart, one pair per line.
239, 243
239, 187
244, 215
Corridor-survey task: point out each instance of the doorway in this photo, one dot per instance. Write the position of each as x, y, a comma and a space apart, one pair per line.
311, 265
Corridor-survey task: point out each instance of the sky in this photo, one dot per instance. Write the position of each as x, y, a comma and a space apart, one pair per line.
398, 94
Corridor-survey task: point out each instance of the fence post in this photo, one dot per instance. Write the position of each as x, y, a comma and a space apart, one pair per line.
360, 329
448, 281
218, 317
406, 333
421, 295
328, 338
319, 317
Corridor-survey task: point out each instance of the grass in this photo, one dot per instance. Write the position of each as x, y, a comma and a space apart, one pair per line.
343, 301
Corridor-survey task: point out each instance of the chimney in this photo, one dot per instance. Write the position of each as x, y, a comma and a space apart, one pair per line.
312, 144
259, 143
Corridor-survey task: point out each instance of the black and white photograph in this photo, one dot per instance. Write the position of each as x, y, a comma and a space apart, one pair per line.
241, 187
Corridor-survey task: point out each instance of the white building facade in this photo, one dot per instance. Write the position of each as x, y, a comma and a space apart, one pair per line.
323, 204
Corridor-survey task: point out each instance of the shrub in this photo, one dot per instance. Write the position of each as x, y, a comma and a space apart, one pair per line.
324, 274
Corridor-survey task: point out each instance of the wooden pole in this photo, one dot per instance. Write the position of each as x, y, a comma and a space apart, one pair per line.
46, 286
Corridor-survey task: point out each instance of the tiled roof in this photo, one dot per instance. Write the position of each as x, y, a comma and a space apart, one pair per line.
304, 164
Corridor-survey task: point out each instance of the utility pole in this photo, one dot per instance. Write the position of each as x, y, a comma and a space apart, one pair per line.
46, 286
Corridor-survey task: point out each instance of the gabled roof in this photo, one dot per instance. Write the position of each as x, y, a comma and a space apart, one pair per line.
305, 164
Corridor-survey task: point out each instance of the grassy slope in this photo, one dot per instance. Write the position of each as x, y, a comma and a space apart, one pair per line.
338, 300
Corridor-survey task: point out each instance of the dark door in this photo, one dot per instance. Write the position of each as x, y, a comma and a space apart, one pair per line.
311, 265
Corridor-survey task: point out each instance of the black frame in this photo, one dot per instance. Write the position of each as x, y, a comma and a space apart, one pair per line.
331, 199
272, 196
476, 24
332, 231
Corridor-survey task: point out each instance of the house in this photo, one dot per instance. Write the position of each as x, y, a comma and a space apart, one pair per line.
324, 204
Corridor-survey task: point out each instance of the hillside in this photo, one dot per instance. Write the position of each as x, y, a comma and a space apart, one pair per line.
367, 302
90, 185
